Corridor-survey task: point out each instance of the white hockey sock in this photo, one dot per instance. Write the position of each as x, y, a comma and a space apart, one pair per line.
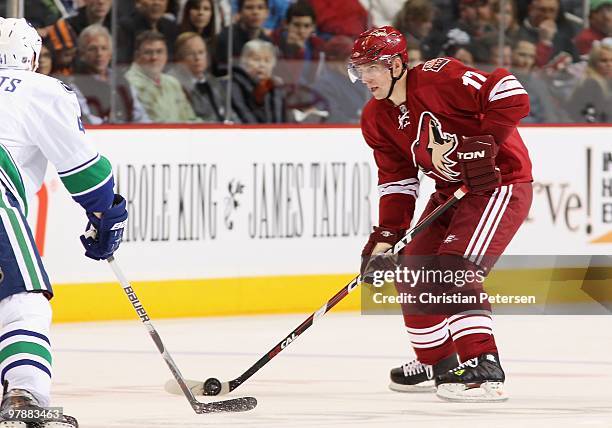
25, 350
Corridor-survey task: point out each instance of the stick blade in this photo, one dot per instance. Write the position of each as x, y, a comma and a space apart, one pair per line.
196, 387
241, 404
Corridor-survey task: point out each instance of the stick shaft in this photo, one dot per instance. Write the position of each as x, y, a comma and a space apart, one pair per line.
283, 344
144, 317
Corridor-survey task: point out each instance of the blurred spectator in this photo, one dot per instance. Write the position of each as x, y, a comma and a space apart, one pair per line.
42, 14
462, 53
543, 107
45, 62
160, 94
71, 6
346, 17
382, 12
549, 30
253, 14
499, 58
473, 24
299, 46
148, 15
592, 100
600, 26
277, 10
94, 12
415, 55
191, 70
344, 99
506, 19
415, 20
257, 97
92, 81
61, 40
199, 17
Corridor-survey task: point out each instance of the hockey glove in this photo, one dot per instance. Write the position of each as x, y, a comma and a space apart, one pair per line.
103, 235
373, 256
476, 158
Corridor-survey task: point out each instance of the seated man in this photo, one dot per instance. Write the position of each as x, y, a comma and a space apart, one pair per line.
160, 94
93, 81
191, 69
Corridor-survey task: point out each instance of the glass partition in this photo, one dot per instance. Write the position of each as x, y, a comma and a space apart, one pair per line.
284, 61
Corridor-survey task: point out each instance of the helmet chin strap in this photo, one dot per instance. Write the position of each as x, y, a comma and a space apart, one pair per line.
395, 79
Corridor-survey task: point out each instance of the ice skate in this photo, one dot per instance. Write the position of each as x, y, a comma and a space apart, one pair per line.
415, 376
18, 403
479, 379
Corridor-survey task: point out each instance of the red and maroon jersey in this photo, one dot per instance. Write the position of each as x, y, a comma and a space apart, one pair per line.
445, 100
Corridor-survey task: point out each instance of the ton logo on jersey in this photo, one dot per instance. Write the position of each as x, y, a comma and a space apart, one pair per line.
432, 147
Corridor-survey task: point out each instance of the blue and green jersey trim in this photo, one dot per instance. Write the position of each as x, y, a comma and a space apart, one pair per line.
91, 183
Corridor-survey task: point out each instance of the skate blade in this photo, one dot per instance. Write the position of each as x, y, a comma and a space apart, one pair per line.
488, 392
423, 387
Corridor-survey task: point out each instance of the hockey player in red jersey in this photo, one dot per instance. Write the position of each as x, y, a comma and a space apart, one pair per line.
458, 125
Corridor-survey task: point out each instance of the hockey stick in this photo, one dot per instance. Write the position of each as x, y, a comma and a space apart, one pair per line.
235, 405
214, 386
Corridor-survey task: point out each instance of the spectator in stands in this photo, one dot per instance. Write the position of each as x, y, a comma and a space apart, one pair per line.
93, 12
415, 56
462, 53
42, 14
92, 81
161, 95
600, 26
346, 17
498, 58
382, 12
415, 20
344, 99
257, 96
506, 19
549, 30
472, 26
592, 100
543, 108
299, 46
45, 62
62, 41
253, 14
191, 70
148, 15
277, 10
199, 17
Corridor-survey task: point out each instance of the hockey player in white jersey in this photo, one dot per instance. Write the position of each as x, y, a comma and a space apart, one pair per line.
40, 124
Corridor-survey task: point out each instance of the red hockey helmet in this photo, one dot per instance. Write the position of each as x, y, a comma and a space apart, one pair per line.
378, 44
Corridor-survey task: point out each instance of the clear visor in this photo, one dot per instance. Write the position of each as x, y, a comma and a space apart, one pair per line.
374, 69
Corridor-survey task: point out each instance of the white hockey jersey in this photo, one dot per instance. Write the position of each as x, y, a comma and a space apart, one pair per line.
40, 123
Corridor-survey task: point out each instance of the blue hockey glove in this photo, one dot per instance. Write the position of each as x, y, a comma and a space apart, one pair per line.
103, 235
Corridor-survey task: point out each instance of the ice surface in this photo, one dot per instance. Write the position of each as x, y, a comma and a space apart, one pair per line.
559, 371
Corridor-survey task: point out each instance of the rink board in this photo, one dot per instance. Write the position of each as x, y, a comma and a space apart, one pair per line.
265, 220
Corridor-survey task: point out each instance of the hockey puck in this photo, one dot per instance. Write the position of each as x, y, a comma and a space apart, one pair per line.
212, 386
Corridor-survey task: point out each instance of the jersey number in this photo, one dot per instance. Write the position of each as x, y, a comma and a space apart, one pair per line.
470, 78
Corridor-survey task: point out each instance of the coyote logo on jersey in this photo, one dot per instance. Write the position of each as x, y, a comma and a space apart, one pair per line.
432, 146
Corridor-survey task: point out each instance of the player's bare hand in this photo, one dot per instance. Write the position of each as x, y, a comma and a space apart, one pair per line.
547, 30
